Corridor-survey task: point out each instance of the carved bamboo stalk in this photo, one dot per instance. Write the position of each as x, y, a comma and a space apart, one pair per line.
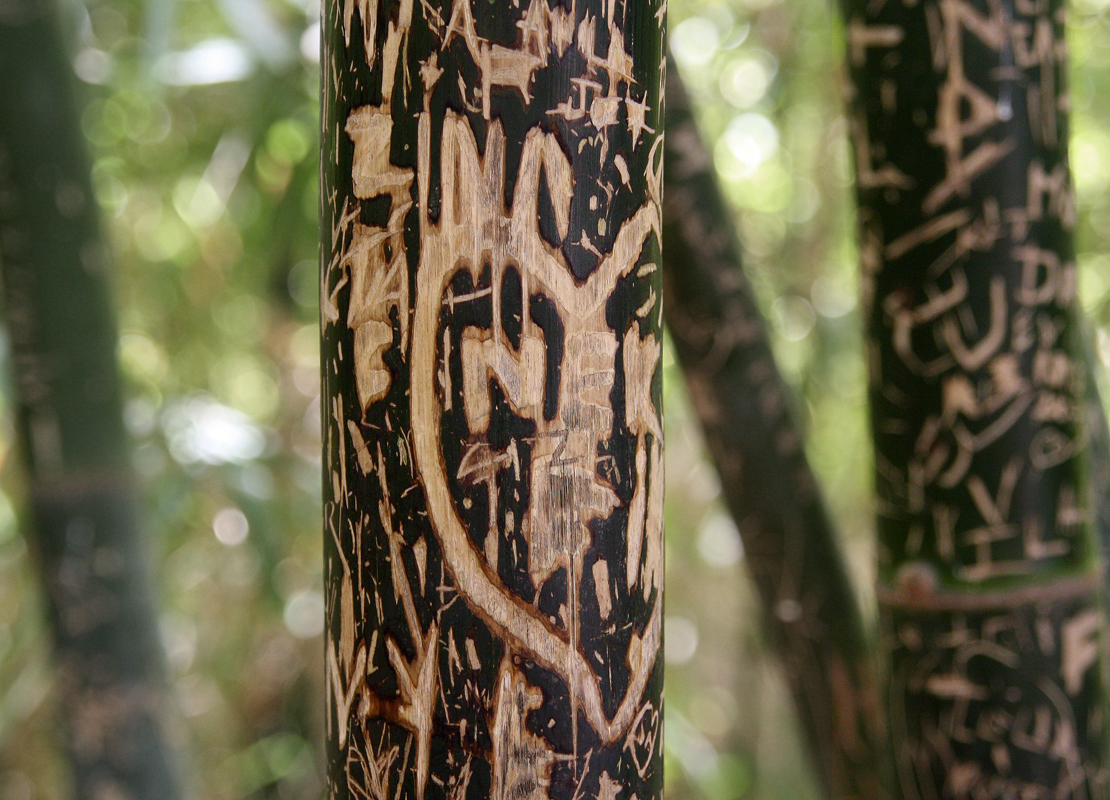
809, 606
493, 494
83, 527
988, 564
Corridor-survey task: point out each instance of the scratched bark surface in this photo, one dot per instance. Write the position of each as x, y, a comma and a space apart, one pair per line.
743, 405
493, 500
987, 558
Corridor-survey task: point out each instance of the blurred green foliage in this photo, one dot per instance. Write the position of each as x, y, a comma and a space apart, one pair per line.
766, 77
769, 81
201, 121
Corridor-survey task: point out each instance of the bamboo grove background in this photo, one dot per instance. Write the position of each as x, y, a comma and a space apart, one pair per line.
201, 119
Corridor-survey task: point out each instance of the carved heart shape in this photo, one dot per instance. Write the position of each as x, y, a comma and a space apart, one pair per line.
473, 228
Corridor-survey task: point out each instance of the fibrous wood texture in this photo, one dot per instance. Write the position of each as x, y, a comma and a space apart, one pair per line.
743, 405
493, 493
988, 571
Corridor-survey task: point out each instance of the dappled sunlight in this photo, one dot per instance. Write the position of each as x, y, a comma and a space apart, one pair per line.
201, 120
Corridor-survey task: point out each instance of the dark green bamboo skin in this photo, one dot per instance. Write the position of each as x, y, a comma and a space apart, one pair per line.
491, 320
809, 606
988, 562
83, 527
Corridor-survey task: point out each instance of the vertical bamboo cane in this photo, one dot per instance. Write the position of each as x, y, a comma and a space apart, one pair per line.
84, 529
493, 493
988, 564
810, 611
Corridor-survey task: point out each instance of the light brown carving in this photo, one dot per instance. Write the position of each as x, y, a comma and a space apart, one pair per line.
567, 493
375, 257
521, 760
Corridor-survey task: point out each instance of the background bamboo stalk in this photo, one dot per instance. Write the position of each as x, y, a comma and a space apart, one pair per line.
809, 608
83, 527
988, 567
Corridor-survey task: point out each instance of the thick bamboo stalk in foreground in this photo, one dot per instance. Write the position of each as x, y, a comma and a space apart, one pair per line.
988, 567
809, 607
491, 316
84, 532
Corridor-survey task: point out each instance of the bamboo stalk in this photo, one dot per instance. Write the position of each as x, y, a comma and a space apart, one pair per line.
809, 607
493, 488
84, 530
989, 573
